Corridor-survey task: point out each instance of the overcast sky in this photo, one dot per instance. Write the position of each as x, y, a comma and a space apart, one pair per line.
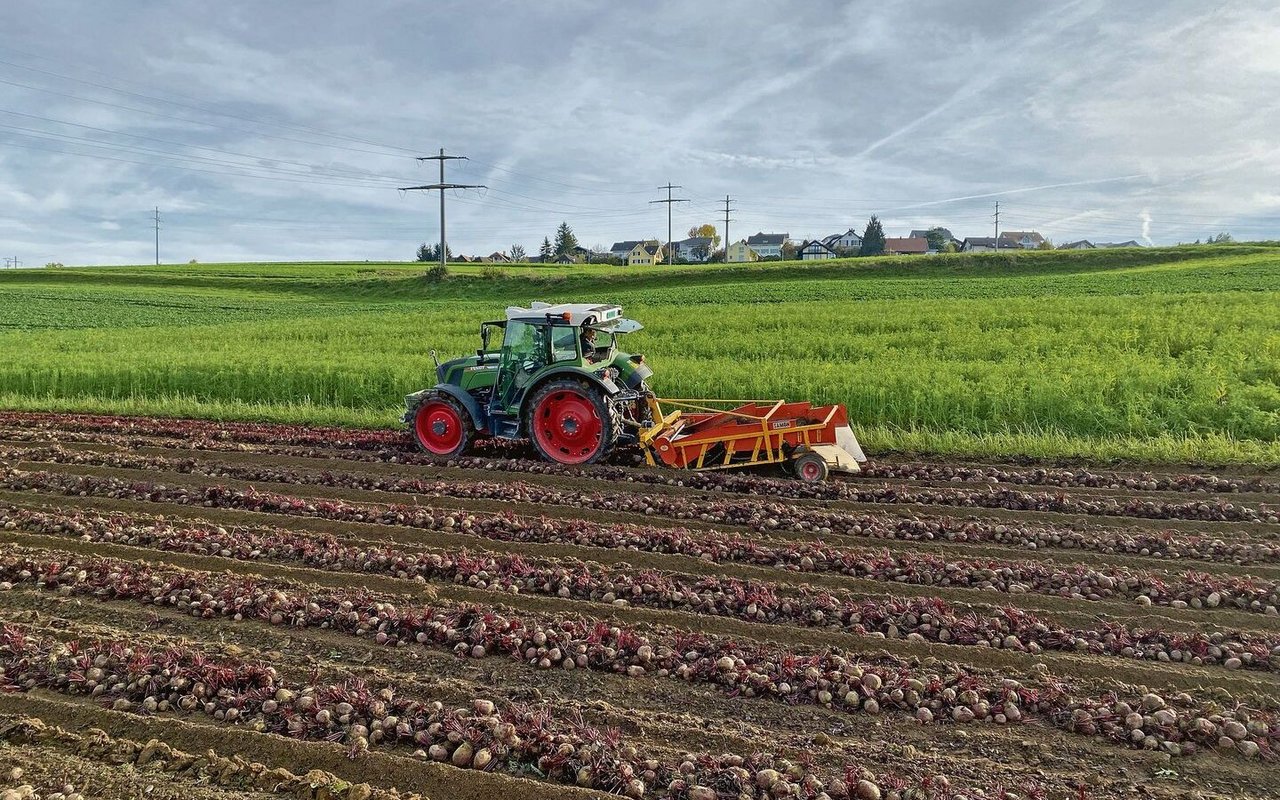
282, 130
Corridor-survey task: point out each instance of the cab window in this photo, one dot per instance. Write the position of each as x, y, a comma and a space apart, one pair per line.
564, 344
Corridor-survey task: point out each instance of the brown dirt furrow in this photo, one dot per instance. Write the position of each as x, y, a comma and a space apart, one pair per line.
373, 497
1065, 611
376, 768
1186, 480
1101, 672
438, 471
663, 718
706, 720
1261, 530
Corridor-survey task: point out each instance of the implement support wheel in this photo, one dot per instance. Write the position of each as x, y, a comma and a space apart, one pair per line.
571, 422
442, 426
810, 468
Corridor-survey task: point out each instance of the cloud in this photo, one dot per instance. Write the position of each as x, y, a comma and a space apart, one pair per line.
293, 129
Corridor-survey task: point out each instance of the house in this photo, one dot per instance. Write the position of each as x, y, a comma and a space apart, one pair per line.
580, 253
564, 258
463, 259
623, 249
695, 248
768, 245
843, 242
986, 244
1027, 240
498, 258
1130, 243
740, 253
906, 246
924, 234
1083, 244
815, 250
947, 236
650, 252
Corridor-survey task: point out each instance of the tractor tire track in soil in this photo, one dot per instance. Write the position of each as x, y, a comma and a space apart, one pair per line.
614, 630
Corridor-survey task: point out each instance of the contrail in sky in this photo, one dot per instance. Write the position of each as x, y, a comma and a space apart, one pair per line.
1025, 189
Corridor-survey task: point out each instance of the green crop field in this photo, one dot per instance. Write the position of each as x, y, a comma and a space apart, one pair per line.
1163, 355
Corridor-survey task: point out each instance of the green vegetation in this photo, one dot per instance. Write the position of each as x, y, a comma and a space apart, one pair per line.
1157, 355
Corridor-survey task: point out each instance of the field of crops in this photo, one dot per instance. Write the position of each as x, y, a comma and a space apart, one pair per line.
1166, 355
228, 610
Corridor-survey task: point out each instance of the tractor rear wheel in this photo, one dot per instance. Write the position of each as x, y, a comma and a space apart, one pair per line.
442, 426
811, 468
571, 422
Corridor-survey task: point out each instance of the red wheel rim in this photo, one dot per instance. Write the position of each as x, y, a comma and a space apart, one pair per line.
810, 471
568, 427
439, 427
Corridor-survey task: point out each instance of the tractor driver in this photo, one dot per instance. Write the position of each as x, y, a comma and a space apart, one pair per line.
588, 340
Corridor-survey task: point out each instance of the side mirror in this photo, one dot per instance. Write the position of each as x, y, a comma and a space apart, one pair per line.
484, 338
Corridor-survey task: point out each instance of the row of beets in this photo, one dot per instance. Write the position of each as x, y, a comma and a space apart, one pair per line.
484, 735
830, 678
1192, 589
761, 515
1010, 499
914, 619
397, 446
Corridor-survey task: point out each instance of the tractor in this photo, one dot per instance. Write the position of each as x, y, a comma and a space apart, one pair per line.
554, 374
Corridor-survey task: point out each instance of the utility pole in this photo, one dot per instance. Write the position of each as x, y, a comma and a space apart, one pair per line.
441, 186
997, 215
157, 236
727, 201
669, 201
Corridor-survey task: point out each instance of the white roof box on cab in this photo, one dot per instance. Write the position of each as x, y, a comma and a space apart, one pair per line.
603, 314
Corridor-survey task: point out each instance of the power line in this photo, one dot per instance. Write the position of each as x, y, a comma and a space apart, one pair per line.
727, 209
157, 236
441, 186
669, 201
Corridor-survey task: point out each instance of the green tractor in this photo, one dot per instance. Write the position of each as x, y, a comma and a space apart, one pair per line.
549, 373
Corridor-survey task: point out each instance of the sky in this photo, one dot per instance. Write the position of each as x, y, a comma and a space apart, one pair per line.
284, 130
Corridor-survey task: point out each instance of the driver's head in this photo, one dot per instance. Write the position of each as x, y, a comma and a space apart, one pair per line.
589, 335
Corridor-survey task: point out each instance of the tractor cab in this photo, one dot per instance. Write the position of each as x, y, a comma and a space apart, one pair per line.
544, 339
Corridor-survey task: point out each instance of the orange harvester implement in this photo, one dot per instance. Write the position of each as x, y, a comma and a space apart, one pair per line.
696, 436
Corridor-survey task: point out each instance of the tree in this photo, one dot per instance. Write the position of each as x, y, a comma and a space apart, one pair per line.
518, 253
1222, 238
872, 238
1047, 244
431, 252
547, 252
565, 240
937, 238
789, 250
950, 247
709, 231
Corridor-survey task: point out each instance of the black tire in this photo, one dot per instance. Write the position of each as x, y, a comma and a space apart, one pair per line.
811, 468
558, 443
442, 437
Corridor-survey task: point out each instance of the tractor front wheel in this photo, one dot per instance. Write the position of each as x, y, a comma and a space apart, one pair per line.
571, 422
442, 426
